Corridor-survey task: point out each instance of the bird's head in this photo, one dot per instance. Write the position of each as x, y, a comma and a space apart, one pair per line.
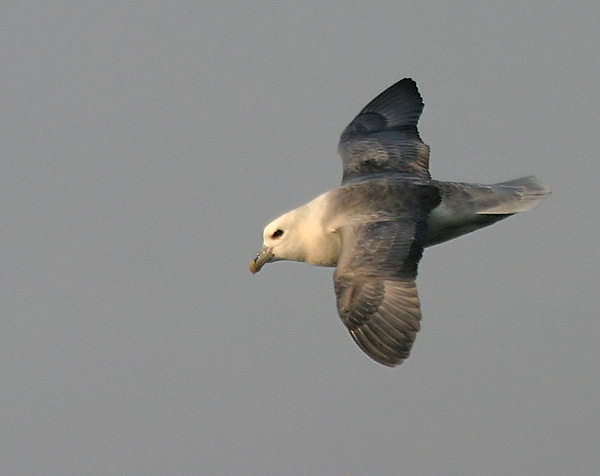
282, 240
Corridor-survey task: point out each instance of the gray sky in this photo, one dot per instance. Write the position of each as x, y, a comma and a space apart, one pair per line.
146, 144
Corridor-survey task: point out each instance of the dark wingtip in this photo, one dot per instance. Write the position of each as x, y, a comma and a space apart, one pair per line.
401, 104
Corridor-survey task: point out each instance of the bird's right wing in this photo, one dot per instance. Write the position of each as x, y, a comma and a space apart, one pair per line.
383, 138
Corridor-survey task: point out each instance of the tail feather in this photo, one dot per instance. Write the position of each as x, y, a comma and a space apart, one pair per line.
515, 196
468, 207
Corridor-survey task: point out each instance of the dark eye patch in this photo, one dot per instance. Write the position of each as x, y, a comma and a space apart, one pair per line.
277, 234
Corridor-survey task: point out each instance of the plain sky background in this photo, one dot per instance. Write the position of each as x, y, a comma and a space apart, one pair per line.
144, 146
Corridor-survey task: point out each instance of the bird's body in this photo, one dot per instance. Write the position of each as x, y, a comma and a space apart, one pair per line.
374, 227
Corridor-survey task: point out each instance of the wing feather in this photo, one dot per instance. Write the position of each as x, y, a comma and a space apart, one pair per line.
386, 336
376, 290
384, 138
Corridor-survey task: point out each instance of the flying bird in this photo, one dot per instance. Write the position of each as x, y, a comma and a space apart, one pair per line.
374, 227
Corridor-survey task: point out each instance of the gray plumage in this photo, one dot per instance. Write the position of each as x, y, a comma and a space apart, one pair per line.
375, 226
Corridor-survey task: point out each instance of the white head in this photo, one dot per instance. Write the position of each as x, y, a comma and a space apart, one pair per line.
283, 239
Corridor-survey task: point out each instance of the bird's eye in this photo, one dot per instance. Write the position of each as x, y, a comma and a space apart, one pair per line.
277, 234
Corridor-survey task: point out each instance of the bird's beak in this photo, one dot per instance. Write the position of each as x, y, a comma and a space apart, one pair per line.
264, 255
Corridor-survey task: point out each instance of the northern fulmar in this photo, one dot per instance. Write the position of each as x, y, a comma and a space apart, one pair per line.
373, 228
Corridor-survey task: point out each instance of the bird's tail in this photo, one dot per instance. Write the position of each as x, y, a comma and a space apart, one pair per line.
514, 196
467, 207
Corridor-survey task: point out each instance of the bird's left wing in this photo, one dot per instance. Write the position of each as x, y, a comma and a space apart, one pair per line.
375, 281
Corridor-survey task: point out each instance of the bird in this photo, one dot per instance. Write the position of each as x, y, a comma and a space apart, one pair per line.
374, 227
